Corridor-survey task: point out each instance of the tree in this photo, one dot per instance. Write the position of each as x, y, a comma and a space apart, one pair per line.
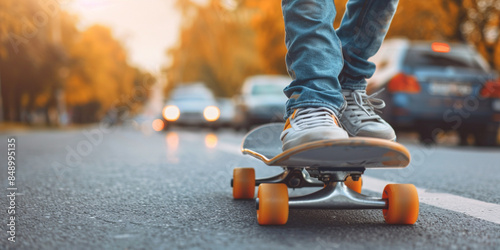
29, 56
216, 47
481, 27
267, 21
42, 54
99, 72
221, 46
473, 21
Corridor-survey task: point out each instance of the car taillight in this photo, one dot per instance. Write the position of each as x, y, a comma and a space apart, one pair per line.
441, 47
491, 89
404, 83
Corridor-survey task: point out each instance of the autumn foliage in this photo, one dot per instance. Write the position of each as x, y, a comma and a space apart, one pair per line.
225, 41
49, 67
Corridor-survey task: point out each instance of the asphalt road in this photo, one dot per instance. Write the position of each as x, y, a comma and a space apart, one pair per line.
132, 189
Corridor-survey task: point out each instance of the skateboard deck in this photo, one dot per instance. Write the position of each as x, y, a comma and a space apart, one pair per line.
264, 144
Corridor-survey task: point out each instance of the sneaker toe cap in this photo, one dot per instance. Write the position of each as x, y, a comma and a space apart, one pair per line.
377, 130
318, 134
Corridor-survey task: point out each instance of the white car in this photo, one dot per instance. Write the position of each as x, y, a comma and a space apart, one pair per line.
191, 105
262, 100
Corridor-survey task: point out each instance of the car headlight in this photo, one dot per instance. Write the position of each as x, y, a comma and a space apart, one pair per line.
171, 113
211, 113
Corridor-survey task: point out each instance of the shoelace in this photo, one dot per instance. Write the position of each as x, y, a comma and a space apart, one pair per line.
314, 117
367, 103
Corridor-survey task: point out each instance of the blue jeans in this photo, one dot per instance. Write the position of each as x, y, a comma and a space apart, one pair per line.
321, 60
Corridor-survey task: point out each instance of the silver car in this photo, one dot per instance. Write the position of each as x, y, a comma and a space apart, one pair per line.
192, 105
261, 101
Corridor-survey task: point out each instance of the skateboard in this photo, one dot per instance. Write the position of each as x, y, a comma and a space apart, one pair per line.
335, 166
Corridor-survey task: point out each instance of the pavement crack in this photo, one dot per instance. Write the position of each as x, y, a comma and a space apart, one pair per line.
153, 226
108, 221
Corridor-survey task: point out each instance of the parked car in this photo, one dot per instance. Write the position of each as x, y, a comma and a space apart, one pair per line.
191, 105
261, 101
432, 87
227, 111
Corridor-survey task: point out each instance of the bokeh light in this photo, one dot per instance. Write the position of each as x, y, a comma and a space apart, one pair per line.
172, 140
211, 140
158, 125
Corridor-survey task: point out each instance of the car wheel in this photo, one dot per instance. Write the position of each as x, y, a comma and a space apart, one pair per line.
246, 124
247, 127
463, 135
167, 126
426, 136
238, 127
486, 136
215, 128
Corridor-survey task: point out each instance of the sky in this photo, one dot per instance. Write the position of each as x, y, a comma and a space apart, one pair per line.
145, 27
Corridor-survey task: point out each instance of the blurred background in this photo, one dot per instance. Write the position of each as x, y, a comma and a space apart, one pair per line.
220, 63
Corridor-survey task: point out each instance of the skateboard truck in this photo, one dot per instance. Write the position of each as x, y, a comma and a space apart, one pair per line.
293, 178
334, 195
299, 178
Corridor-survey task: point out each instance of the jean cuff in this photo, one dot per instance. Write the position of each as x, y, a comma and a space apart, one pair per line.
354, 85
333, 107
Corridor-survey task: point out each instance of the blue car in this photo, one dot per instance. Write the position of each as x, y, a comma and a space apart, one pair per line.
431, 87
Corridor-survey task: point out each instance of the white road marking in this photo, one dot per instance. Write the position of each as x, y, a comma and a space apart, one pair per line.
475, 208
236, 150
478, 209
229, 148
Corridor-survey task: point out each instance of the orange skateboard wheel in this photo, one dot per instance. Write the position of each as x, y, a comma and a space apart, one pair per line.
354, 185
402, 204
243, 183
273, 204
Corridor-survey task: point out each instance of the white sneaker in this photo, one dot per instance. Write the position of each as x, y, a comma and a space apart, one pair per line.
359, 117
311, 124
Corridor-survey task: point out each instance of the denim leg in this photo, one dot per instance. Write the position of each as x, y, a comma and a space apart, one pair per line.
362, 31
314, 57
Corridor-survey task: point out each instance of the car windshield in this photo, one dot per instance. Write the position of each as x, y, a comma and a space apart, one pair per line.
190, 98
458, 57
191, 93
267, 89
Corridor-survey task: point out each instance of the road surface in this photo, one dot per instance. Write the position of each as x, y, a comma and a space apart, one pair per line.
124, 188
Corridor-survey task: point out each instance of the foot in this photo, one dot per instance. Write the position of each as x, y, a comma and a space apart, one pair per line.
359, 117
311, 124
